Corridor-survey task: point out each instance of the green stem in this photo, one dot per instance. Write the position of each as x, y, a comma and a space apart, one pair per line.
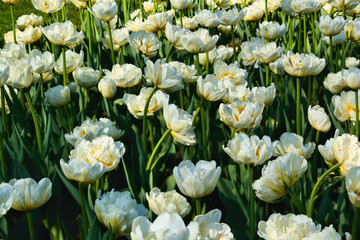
197, 62
343, 13
316, 187
181, 18
127, 177
149, 165
2, 136
290, 34
86, 100
252, 203
266, 11
111, 44
198, 206
298, 125
313, 32
267, 75
207, 63
125, 11
357, 112
41, 86
141, 10
331, 55
13, 21
203, 134
64, 66
233, 42
122, 54
88, 29
168, 53
344, 54
151, 136
3, 113
305, 34
299, 36
202, 102
144, 140
233, 131
66, 109
296, 200
355, 223
36, 122
83, 210
314, 165
30, 224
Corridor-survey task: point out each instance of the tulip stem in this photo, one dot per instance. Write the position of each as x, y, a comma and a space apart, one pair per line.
83, 210
149, 165
30, 224
296, 200
144, 139
88, 29
305, 34
355, 223
357, 112
198, 206
203, 133
344, 54
122, 54
267, 75
314, 165
36, 122
197, 65
64, 66
125, 11
13, 21
313, 32
151, 136
299, 36
233, 42
252, 203
168, 53
316, 187
41, 86
266, 11
141, 10
2, 135
298, 126
343, 13
207, 63
3, 113
202, 102
111, 44
331, 55
290, 34
181, 18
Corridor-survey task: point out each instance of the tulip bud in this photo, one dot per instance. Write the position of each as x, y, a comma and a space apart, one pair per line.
319, 119
107, 87
58, 96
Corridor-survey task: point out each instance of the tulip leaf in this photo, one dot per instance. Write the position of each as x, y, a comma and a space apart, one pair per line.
73, 190
3, 228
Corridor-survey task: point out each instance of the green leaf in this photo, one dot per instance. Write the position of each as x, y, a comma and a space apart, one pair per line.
73, 190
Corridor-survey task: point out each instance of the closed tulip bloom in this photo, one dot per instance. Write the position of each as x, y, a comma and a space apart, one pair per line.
345, 107
353, 185
167, 202
120, 37
263, 95
352, 77
86, 77
58, 96
157, 22
250, 150
136, 104
335, 82
336, 40
124, 76
246, 50
28, 194
117, 211
271, 30
48, 6
188, 23
278, 175
238, 93
13, 50
305, 7
199, 41
302, 65
166, 226
318, 118
63, 34
207, 19
254, 12
6, 198
230, 75
107, 87
134, 25
267, 53
188, 73
220, 53
82, 171
46, 77
288, 226
73, 61
41, 62
326, 233
180, 123
9, 36
241, 115
145, 42
327, 150
91, 129
104, 10
331, 27
351, 62
211, 227
20, 75
291, 142
352, 30
174, 34
10, 1
166, 77
180, 4
25, 21
4, 74
210, 88
347, 152
198, 180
